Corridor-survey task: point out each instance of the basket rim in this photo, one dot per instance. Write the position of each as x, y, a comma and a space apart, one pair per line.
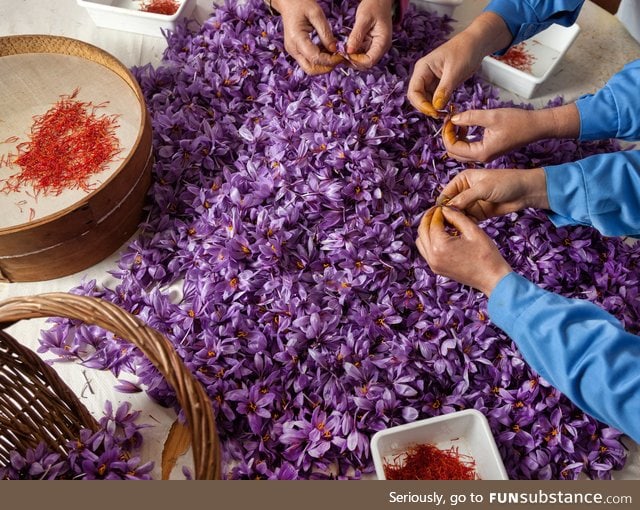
195, 403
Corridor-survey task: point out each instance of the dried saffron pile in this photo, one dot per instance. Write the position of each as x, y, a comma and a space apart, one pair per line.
167, 7
518, 57
68, 144
428, 462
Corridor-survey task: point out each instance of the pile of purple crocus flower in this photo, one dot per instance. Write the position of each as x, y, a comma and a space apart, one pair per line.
279, 258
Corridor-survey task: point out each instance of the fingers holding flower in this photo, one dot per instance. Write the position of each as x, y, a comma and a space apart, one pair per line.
436, 75
501, 130
485, 193
423, 84
300, 18
370, 38
455, 247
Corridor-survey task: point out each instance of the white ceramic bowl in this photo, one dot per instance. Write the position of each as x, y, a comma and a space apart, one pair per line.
546, 50
442, 7
126, 15
466, 430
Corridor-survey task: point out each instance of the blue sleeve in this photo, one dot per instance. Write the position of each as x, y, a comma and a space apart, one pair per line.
612, 112
526, 18
579, 348
601, 191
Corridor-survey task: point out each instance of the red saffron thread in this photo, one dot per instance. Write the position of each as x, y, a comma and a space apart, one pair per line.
68, 144
167, 7
428, 462
517, 56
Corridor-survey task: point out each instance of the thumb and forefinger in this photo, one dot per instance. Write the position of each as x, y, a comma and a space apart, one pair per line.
469, 118
454, 136
432, 229
357, 36
433, 222
379, 43
460, 221
323, 29
459, 194
421, 83
446, 215
436, 104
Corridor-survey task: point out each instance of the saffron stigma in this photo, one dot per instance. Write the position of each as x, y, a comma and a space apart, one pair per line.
68, 144
167, 7
428, 462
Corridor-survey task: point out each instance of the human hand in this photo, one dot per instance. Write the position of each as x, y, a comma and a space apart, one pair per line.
370, 38
505, 129
437, 74
482, 193
469, 256
300, 18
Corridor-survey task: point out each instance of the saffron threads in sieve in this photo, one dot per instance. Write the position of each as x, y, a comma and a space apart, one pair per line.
428, 462
167, 7
68, 144
517, 56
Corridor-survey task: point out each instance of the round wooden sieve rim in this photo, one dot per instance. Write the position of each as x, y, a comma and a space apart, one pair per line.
38, 43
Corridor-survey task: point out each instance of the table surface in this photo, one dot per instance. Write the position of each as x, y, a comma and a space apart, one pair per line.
601, 49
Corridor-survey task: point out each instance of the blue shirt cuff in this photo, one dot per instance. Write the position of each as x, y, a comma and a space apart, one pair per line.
566, 193
528, 18
598, 116
612, 111
601, 191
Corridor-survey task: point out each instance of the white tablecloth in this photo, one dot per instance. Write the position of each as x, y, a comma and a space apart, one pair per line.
602, 48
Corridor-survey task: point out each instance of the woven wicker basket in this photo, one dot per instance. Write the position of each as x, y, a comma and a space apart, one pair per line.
36, 405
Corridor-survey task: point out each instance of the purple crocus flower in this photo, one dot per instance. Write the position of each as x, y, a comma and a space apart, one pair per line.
254, 404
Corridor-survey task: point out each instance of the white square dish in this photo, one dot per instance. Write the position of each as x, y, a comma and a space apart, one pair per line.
467, 430
543, 52
126, 15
